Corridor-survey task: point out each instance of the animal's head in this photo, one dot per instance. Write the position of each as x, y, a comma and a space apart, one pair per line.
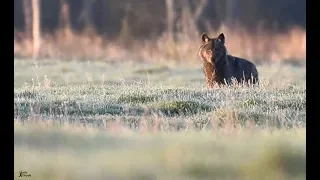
211, 46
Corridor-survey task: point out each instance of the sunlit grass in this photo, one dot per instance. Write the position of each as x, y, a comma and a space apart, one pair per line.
81, 120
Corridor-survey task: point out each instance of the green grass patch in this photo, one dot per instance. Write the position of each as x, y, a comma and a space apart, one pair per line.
95, 91
182, 108
154, 70
137, 98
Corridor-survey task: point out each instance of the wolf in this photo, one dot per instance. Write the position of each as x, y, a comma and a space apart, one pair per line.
220, 68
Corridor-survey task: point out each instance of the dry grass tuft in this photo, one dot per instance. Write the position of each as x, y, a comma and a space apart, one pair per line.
261, 46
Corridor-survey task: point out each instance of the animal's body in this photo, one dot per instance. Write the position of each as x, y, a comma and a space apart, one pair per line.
221, 68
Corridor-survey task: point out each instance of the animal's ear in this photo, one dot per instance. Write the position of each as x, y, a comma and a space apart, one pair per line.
204, 37
222, 38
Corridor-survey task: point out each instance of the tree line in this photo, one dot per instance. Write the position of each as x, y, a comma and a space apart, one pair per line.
145, 18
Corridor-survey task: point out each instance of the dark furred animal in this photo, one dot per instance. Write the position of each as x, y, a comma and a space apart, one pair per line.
221, 68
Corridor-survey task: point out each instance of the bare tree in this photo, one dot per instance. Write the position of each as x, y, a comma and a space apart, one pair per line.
231, 6
64, 17
199, 9
86, 14
170, 19
36, 34
27, 18
125, 27
195, 13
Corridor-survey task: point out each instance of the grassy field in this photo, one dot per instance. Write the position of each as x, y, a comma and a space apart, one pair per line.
81, 120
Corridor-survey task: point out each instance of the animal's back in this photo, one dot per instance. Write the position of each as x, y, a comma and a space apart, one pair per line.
244, 69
